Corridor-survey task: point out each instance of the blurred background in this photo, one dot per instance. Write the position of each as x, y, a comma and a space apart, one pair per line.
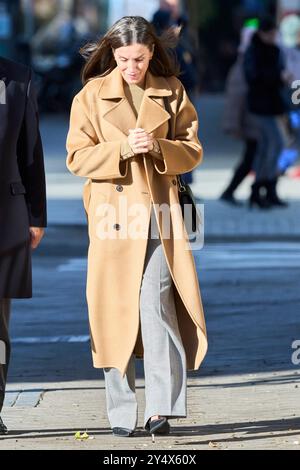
47, 35
41, 32
249, 268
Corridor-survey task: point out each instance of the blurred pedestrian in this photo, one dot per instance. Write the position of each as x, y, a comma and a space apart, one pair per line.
163, 20
57, 62
265, 74
237, 121
22, 196
132, 130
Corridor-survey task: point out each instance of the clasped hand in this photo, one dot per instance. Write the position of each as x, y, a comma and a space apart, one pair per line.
140, 141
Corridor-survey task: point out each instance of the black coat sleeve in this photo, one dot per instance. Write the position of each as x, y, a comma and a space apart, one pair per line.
31, 160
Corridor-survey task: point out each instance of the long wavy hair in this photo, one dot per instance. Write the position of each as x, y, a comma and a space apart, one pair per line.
125, 32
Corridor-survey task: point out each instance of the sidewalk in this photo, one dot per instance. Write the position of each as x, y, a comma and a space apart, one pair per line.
224, 413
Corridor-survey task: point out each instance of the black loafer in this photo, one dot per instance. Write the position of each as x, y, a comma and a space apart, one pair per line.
158, 426
3, 428
122, 432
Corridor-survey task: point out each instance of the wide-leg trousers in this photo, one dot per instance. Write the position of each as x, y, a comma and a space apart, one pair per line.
164, 355
4, 345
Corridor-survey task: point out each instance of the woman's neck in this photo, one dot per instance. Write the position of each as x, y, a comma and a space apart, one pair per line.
139, 85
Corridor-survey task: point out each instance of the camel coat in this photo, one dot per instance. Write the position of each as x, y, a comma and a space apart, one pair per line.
100, 120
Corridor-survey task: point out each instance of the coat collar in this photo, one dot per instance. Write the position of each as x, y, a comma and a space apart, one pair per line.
119, 113
112, 86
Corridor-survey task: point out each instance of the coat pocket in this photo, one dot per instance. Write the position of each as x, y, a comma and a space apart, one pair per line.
17, 188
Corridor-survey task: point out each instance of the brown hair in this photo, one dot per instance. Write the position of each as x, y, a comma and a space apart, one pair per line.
125, 32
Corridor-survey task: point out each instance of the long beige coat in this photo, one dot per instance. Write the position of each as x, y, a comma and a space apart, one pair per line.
100, 119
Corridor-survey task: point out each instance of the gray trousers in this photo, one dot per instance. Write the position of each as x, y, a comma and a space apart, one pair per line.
164, 355
269, 148
4, 346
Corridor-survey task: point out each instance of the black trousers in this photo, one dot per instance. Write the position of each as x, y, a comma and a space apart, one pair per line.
244, 167
4, 345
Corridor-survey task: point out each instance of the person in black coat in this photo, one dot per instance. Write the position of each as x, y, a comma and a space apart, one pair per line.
265, 73
22, 196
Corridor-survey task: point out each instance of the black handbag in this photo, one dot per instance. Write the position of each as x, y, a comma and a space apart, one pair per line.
188, 205
187, 200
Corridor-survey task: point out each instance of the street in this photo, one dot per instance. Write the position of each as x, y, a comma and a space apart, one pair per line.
248, 290
245, 394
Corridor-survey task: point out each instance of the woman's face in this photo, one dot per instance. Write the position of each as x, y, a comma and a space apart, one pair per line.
133, 62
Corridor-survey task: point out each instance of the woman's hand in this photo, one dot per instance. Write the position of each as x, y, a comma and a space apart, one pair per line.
140, 141
36, 234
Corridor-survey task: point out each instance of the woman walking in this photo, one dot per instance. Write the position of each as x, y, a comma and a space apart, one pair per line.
132, 130
237, 121
266, 75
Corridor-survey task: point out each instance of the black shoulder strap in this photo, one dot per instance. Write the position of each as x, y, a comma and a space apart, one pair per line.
167, 108
181, 184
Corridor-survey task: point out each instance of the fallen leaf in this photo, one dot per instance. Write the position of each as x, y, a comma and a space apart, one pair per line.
212, 444
81, 437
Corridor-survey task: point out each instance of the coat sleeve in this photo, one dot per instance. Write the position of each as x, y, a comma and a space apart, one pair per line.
31, 160
87, 156
183, 153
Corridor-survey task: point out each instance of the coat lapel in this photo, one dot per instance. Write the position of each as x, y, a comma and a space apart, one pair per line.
120, 115
116, 109
152, 113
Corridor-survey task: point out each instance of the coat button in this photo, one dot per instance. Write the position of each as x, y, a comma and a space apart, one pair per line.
117, 226
119, 188
174, 182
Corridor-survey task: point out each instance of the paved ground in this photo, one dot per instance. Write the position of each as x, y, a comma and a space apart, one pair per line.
246, 394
